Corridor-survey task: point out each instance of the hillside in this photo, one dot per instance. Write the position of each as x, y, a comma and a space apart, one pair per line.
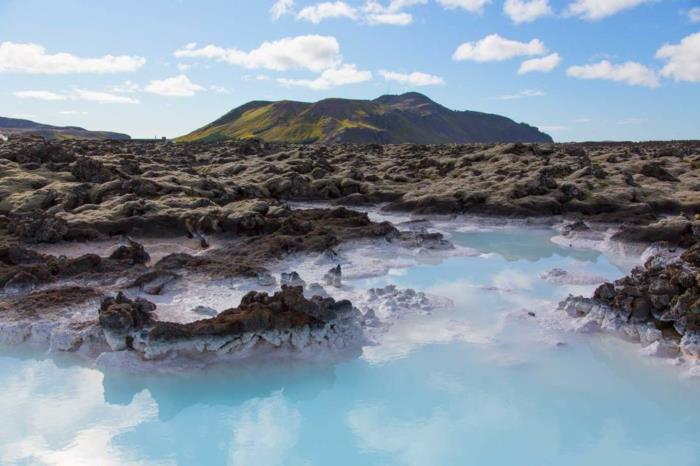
390, 119
9, 126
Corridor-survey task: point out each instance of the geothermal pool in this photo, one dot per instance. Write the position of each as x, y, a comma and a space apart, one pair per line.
492, 380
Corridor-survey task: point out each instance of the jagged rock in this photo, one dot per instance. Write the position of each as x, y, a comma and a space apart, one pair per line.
690, 344
677, 231
79, 265
120, 316
423, 239
661, 349
692, 256
605, 292
205, 311
656, 170
153, 282
661, 295
562, 277
131, 252
89, 170
20, 282
315, 289
286, 317
38, 228
291, 279
265, 278
390, 301
573, 227
333, 277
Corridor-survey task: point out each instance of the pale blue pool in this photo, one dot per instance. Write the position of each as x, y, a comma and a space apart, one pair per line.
466, 386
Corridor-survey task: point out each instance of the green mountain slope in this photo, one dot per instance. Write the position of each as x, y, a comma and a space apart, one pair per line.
9, 126
390, 119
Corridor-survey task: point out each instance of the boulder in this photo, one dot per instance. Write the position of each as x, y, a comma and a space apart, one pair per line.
130, 252
120, 316
333, 277
656, 170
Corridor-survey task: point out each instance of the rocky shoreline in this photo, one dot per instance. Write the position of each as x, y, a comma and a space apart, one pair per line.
230, 202
657, 304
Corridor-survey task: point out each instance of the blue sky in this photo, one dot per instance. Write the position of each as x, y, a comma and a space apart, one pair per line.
578, 69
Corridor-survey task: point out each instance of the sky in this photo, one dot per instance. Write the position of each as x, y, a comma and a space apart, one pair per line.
577, 69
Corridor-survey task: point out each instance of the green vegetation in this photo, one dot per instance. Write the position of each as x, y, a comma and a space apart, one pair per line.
407, 118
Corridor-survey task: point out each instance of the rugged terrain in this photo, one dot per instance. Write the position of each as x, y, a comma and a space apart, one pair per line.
390, 119
237, 193
10, 126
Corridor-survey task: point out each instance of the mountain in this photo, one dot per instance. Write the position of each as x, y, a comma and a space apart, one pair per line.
390, 119
10, 126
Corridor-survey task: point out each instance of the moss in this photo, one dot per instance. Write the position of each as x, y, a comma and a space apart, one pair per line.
330, 119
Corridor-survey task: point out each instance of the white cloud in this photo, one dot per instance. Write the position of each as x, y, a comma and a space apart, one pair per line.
544, 64
102, 97
694, 14
183, 66
177, 86
39, 95
332, 77
524, 11
629, 72
72, 112
598, 9
521, 94
394, 6
259, 77
413, 79
391, 14
83, 429
682, 59
474, 6
312, 52
33, 59
391, 19
265, 432
219, 89
281, 8
326, 10
23, 116
77, 94
127, 87
497, 48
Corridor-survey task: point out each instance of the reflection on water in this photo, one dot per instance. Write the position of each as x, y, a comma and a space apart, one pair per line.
513, 246
467, 385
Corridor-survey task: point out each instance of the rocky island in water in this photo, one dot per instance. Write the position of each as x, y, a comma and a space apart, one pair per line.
94, 233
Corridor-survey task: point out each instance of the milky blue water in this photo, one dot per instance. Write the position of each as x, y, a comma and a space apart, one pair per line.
471, 385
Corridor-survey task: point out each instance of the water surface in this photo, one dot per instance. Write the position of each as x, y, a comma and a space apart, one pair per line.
480, 384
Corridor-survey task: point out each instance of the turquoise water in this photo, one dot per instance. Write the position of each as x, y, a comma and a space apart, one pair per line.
479, 384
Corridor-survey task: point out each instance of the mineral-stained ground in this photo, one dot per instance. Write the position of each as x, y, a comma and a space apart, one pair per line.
78, 191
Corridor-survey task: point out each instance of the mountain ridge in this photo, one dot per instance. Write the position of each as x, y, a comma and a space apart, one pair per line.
11, 126
389, 119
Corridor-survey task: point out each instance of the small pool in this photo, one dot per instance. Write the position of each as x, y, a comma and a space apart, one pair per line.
482, 383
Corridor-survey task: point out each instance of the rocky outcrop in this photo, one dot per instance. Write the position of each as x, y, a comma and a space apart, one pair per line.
334, 277
285, 319
675, 231
196, 189
131, 252
120, 317
661, 298
22, 269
